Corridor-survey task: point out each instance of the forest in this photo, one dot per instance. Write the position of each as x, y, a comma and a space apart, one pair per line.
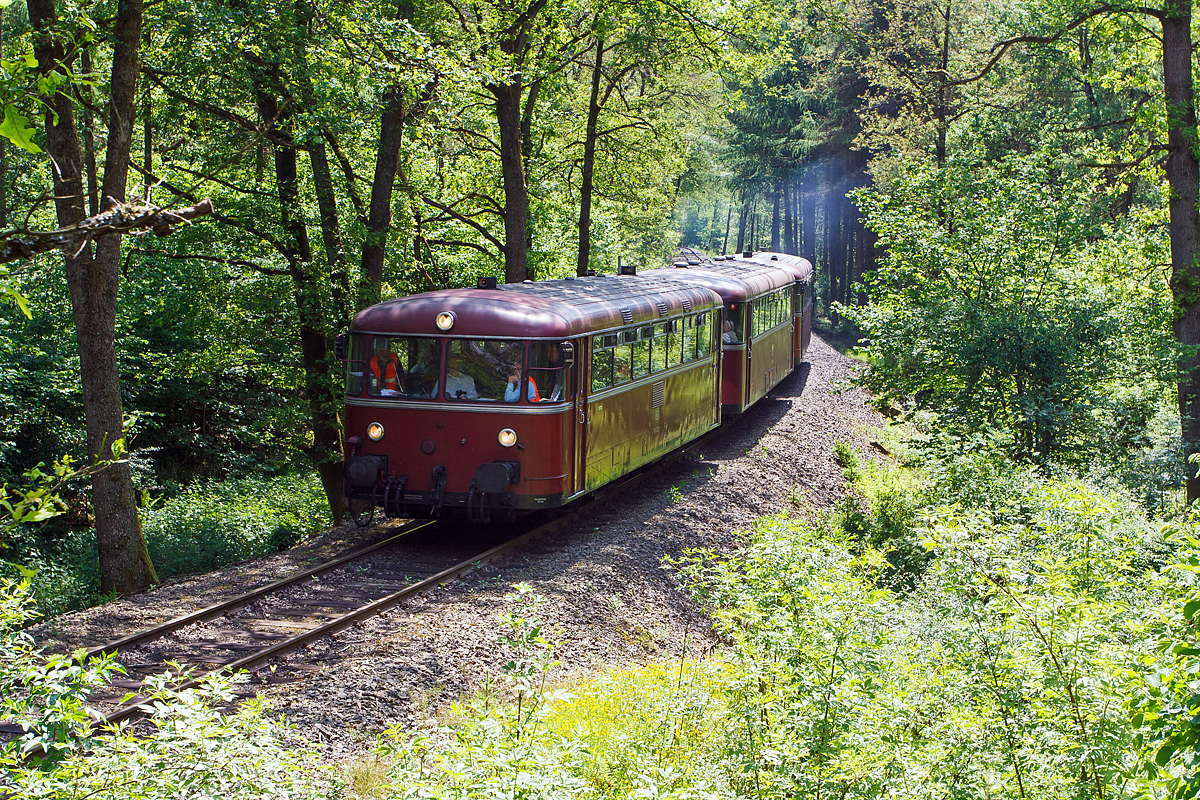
1001, 202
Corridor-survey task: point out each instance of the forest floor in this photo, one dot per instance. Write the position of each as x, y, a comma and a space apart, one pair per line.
610, 601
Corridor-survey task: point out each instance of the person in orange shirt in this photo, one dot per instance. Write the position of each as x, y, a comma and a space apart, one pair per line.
385, 370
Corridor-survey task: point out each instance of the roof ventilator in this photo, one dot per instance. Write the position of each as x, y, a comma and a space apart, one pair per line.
662, 308
626, 315
486, 282
627, 269
687, 304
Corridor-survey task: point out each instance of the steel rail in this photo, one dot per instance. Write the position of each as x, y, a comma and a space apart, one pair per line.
222, 608
376, 607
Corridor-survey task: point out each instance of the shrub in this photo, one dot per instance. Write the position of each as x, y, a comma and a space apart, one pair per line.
211, 524
196, 750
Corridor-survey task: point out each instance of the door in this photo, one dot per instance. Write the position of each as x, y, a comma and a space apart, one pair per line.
581, 374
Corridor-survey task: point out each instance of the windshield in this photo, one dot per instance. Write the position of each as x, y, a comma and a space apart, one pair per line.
403, 366
732, 331
484, 370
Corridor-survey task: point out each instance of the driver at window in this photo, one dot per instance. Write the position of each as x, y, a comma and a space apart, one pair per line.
385, 370
459, 385
514, 380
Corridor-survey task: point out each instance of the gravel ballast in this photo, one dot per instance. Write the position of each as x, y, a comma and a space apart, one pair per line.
609, 599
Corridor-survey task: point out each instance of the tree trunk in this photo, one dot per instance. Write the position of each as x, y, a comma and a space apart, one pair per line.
589, 161
124, 562
943, 95
379, 212
743, 217
835, 253
809, 216
778, 197
319, 389
1183, 175
789, 226
850, 247
89, 136
516, 195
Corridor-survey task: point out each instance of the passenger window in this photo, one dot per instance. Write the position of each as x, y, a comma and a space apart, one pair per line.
673, 341
601, 364
703, 335
621, 359
658, 348
689, 339
641, 359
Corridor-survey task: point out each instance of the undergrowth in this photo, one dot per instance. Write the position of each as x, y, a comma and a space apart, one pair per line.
209, 525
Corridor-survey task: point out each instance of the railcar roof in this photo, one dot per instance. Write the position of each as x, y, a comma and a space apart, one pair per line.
738, 279
557, 308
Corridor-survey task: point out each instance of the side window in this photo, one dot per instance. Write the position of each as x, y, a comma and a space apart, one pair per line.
641, 353
622, 358
602, 364
673, 340
547, 379
658, 348
704, 334
356, 365
689, 339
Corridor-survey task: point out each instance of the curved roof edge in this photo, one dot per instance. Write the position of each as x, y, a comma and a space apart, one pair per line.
555, 308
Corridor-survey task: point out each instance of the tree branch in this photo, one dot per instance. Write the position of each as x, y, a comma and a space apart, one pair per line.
119, 218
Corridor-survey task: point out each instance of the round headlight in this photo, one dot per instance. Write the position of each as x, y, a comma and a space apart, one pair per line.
375, 431
445, 320
507, 437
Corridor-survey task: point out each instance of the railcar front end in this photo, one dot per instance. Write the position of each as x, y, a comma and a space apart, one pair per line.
495, 401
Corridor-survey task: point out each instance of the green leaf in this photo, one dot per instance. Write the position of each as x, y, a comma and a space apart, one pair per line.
1164, 754
16, 129
1190, 609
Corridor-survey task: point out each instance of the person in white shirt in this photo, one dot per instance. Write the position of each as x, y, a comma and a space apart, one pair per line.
728, 334
459, 385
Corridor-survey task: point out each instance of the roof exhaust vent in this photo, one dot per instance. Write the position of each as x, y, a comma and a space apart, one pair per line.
591, 273
747, 253
486, 282
626, 269
774, 258
693, 263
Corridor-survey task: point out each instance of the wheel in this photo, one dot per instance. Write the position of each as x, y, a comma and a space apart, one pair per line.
362, 510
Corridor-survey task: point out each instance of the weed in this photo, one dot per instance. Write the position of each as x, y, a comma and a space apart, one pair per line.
674, 494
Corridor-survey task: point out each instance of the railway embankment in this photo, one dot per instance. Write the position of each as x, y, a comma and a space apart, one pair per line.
609, 600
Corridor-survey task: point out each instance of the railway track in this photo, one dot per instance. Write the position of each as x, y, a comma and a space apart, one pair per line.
257, 629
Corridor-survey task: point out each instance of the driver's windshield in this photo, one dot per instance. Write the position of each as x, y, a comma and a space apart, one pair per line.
403, 366
484, 370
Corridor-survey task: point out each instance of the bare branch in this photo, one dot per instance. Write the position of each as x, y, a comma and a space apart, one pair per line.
119, 218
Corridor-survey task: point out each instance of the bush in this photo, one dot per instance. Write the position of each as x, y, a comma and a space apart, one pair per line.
195, 750
211, 524
207, 526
